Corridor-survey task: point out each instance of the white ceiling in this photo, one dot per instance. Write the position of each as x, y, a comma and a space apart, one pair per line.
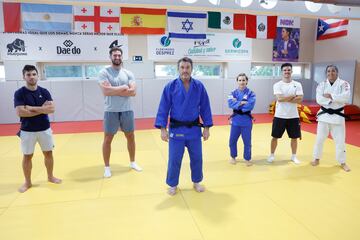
335, 2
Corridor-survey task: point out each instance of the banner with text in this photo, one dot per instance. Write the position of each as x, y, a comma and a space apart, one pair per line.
216, 46
61, 46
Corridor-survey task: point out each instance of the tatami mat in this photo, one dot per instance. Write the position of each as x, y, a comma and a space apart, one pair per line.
277, 201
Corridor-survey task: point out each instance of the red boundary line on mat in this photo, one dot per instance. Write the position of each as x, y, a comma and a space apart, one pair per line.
352, 127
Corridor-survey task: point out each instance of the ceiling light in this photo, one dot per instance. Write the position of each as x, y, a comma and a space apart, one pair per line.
243, 3
268, 4
312, 7
215, 2
189, 1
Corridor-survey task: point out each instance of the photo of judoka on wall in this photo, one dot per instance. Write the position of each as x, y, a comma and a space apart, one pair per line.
286, 43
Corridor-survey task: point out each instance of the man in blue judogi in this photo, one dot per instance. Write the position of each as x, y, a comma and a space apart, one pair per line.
186, 100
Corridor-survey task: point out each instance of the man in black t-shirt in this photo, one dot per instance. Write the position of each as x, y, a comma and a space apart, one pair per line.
33, 104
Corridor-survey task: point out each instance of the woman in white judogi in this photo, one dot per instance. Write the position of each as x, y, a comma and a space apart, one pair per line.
332, 95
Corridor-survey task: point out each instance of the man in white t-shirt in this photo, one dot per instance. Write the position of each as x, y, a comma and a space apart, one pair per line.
288, 94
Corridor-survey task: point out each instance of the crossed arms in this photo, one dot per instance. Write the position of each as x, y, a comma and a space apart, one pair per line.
123, 90
291, 98
31, 111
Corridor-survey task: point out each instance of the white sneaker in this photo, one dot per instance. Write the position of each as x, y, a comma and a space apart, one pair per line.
295, 160
136, 167
107, 172
270, 159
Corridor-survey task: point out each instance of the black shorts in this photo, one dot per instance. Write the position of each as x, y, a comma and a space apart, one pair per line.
291, 125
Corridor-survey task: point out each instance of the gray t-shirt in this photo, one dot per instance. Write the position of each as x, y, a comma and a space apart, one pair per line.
117, 78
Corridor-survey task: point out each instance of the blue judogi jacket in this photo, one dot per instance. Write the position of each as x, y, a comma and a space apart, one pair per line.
244, 95
292, 48
184, 106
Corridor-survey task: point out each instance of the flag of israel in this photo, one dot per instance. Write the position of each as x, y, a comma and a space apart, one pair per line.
187, 25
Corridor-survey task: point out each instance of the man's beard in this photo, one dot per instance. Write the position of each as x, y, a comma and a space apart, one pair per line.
116, 62
32, 83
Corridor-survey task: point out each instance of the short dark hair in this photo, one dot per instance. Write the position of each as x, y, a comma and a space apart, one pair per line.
286, 65
114, 49
332, 66
242, 75
289, 30
185, 59
29, 68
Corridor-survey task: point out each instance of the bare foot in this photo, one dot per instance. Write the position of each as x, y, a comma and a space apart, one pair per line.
54, 180
172, 191
345, 167
315, 162
248, 163
199, 188
24, 187
232, 161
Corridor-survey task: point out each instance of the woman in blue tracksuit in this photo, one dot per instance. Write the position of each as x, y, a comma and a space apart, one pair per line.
242, 101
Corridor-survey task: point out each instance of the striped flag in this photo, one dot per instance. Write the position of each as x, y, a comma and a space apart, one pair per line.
10, 16
1, 18
143, 21
331, 28
97, 19
46, 17
187, 25
222, 20
263, 27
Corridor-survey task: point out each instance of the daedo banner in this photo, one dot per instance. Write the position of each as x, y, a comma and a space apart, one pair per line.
60, 46
216, 46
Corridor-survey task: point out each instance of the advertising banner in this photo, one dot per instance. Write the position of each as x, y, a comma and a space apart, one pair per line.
216, 47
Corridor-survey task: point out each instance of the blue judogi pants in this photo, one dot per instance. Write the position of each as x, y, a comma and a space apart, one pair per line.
176, 152
245, 133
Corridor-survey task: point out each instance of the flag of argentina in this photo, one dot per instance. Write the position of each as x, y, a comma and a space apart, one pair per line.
46, 17
187, 25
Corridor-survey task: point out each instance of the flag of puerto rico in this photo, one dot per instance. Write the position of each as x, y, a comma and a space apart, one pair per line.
331, 28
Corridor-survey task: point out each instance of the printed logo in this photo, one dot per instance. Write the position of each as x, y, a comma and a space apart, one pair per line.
115, 44
165, 41
68, 43
236, 43
16, 48
201, 43
286, 22
165, 50
68, 49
